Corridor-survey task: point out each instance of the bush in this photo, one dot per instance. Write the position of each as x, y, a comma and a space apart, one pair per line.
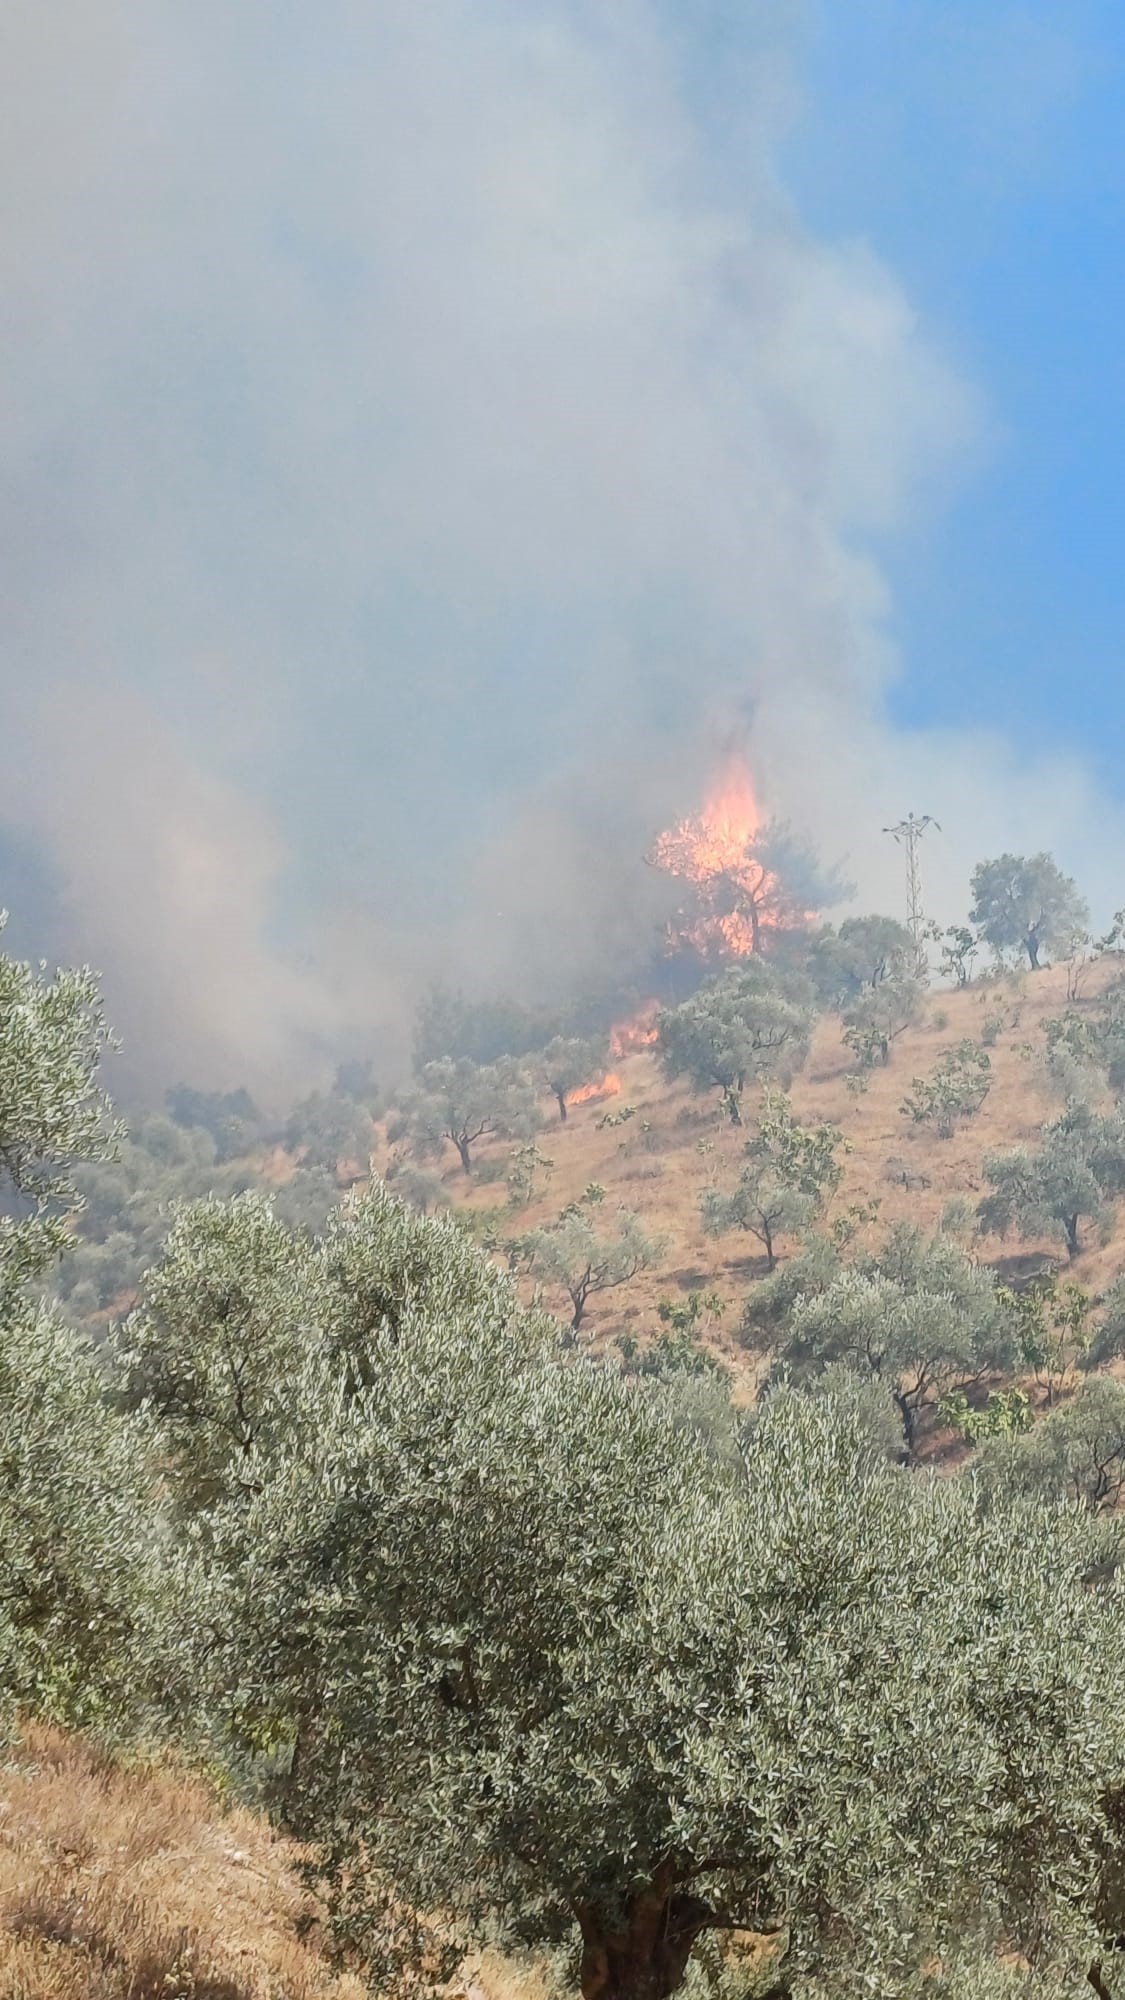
955, 1089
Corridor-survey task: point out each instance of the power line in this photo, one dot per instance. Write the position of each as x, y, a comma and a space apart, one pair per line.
909, 833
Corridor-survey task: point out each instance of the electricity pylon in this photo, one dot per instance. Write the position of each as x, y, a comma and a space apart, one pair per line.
909, 833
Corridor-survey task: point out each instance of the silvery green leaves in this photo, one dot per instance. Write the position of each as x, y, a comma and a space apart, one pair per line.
545, 1657
52, 1114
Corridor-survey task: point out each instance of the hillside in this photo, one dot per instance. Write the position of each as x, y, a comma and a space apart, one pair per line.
677, 1144
121, 1883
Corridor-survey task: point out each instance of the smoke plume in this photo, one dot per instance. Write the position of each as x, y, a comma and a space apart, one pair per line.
418, 453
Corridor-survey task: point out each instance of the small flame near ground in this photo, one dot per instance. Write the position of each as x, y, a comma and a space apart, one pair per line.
592, 1093
628, 1038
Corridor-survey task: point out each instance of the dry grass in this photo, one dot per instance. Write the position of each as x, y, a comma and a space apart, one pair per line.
692, 1146
120, 1884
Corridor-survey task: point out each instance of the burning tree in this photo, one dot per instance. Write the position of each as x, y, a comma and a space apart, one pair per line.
744, 875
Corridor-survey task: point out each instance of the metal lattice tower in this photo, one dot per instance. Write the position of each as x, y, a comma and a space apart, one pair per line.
909, 833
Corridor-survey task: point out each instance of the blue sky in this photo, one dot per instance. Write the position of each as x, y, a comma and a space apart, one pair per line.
980, 149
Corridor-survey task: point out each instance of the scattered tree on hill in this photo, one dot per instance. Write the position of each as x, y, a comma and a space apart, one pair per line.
874, 1020
1086, 1051
1052, 1324
584, 1260
921, 1315
789, 1170
959, 947
1071, 1180
735, 1030
954, 1090
568, 1062
1076, 1453
464, 1101
1026, 903
864, 954
230, 1116
765, 892
332, 1131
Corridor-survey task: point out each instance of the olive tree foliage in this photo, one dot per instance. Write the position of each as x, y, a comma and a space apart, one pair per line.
788, 1173
954, 1090
920, 1315
959, 948
460, 1101
877, 1015
1024, 903
82, 1568
1107, 1342
568, 1062
738, 1029
1076, 1453
550, 1663
584, 1258
863, 954
331, 1130
1086, 1050
53, 1113
240, 1305
231, 1117
1068, 1182
87, 1567
126, 1204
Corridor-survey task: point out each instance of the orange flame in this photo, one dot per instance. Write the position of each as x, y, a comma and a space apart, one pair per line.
713, 851
627, 1038
592, 1093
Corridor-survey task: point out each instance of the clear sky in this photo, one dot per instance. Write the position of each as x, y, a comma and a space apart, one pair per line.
979, 147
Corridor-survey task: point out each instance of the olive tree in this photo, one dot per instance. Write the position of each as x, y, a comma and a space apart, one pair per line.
568, 1062
87, 1563
1077, 1452
737, 1029
53, 1114
879, 1014
83, 1561
955, 1089
1068, 1181
920, 1315
863, 954
789, 1170
583, 1259
463, 1101
556, 1666
1025, 903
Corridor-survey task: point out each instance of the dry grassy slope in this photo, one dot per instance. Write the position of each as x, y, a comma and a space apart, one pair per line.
661, 1171
119, 1884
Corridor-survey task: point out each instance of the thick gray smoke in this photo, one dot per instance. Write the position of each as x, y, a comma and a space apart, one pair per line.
415, 455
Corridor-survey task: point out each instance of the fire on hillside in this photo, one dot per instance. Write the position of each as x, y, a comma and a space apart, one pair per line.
734, 894
592, 1093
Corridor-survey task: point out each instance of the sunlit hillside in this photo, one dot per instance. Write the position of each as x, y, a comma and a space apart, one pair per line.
659, 1160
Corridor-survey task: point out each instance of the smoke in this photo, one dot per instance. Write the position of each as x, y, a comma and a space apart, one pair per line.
418, 446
